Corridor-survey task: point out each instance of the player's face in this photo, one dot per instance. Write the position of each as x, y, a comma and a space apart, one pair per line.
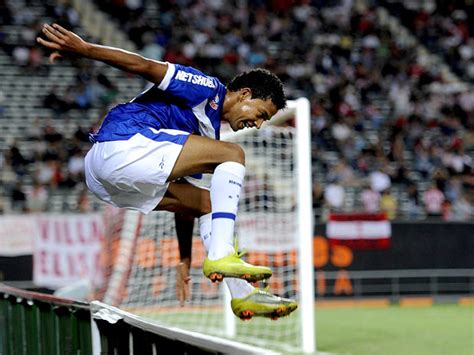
247, 112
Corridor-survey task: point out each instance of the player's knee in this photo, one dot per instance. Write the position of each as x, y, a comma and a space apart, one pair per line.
235, 153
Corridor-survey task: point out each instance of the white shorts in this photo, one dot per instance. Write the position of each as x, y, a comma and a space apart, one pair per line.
133, 173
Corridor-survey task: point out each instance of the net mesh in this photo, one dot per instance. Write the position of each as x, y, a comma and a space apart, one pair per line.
142, 279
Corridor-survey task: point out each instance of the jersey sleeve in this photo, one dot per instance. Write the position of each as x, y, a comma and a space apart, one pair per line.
189, 84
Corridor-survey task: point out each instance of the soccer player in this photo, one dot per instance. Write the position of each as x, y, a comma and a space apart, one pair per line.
146, 149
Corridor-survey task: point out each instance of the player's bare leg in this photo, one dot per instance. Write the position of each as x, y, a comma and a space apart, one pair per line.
226, 162
182, 197
203, 155
189, 199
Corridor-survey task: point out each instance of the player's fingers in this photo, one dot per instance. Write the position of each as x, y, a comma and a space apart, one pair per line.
48, 44
53, 56
186, 291
52, 36
181, 296
187, 288
60, 29
55, 31
179, 285
47, 31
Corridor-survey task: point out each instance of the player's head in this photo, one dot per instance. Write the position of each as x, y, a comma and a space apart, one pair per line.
252, 98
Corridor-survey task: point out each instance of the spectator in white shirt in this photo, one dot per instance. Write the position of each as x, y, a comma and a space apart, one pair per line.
334, 196
379, 181
37, 197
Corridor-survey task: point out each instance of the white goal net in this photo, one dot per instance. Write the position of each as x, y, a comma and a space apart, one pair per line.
274, 226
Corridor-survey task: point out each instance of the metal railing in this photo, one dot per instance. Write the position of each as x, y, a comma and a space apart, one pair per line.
32, 323
396, 283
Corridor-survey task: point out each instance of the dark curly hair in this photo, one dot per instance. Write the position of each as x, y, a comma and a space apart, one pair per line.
264, 85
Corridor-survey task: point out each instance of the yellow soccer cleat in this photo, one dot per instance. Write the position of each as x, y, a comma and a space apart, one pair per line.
232, 265
261, 303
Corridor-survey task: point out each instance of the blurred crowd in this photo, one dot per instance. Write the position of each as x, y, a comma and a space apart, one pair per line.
444, 27
388, 132
91, 87
53, 163
23, 48
56, 163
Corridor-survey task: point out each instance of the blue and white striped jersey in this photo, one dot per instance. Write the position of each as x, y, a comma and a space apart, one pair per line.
186, 100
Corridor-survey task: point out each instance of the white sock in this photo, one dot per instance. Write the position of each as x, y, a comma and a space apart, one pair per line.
238, 288
205, 225
226, 184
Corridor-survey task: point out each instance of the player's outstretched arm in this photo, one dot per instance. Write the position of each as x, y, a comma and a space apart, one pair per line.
63, 41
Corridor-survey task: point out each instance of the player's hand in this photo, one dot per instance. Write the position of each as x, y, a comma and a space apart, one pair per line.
183, 281
61, 40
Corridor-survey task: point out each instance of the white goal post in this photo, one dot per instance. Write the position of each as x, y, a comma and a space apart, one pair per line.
274, 223
305, 221
302, 113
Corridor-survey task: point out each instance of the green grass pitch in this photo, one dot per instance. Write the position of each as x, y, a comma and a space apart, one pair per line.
439, 329
364, 330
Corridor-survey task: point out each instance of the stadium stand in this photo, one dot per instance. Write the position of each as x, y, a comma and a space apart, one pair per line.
444, 27
392, 110
48, 111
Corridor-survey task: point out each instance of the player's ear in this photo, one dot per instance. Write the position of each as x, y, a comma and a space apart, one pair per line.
244, 94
